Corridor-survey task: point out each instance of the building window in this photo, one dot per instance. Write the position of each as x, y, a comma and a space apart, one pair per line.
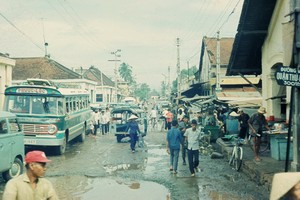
99, 97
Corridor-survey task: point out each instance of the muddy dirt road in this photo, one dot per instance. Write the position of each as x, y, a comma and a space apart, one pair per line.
101, 168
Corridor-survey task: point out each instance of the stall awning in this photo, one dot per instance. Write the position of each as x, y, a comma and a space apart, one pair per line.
233, 96
195, 98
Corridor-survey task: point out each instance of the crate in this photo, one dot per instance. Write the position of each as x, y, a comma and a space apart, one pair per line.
279, 145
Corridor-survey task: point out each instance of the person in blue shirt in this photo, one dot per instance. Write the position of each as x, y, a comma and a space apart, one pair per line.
133, 130
174, 139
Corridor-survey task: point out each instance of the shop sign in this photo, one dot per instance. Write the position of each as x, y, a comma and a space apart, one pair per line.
287, 76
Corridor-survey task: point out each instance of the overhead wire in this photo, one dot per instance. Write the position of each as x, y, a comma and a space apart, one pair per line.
219, 19
77, 19
20, 31
227, 19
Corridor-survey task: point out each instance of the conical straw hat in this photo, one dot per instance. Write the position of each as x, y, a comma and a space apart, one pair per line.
282, 183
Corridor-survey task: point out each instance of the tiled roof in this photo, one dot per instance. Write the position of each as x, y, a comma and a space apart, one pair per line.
225, 49
41, 67
94, 74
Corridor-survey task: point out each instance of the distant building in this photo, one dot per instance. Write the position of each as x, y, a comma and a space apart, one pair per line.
6, 67
46, 68
105, 88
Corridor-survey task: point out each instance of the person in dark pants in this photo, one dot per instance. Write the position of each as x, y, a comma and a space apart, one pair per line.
133, 128
183, 125
192, 136
244, 126
256, 124
174, 139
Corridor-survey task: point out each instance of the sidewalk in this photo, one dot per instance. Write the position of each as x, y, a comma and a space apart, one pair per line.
260, 172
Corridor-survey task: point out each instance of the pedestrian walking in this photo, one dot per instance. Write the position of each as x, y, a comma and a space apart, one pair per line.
192, 136
95, 119
153, 117
32, 184
174, 139
106, 119
133, 130
164, 115
244, 126
169, 119
180, 114
102, 122
183, 125
256, 124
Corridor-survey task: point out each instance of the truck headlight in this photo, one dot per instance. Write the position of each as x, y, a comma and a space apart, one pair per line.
52, 129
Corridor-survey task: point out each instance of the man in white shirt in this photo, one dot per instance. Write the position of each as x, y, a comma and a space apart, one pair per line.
106, 119
95, 118
153, 116
192, 136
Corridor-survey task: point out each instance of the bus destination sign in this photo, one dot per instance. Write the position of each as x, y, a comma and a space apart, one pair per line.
287, 76
31, 90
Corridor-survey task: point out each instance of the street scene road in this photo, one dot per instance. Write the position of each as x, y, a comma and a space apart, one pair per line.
101, 168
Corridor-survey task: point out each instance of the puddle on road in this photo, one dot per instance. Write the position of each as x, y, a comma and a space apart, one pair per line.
120, 189
154, 156
114, 168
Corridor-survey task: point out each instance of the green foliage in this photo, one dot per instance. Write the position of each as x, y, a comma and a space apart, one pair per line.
125, 72
142, 91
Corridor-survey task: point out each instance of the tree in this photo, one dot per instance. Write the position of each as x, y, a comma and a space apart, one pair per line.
142, 91
163, 89
125, 72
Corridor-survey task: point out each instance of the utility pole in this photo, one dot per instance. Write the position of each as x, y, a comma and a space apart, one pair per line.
45, 43
178, 72
218, 82
295, 97
188, 68
116, 71
169, 86
165, 84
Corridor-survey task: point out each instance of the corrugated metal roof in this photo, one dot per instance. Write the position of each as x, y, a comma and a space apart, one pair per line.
252, 30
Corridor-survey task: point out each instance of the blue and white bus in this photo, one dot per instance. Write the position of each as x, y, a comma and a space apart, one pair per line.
49, 116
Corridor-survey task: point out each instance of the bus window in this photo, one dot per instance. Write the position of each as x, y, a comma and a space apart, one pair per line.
60, 107
3, 126
37, 105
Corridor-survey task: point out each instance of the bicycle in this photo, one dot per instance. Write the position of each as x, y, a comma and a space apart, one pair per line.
236, 158
153, 124
264, 143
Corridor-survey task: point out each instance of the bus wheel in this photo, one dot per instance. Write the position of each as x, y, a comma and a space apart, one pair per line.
59, 150
81, 137
15, 170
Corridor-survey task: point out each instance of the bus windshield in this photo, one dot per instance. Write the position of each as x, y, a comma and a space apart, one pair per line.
34, 105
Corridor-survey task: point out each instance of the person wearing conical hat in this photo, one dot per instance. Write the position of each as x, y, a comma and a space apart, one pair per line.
133, 130
256, 124
286, 186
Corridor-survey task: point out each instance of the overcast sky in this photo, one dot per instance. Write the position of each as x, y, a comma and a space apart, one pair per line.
84, 33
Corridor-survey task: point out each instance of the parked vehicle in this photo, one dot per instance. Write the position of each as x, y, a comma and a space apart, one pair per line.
119, 118
49, 115
11, 146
